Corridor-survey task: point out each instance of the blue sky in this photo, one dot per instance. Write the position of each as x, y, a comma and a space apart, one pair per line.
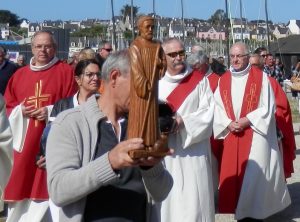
38, 10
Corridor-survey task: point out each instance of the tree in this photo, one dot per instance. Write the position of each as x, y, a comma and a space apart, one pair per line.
9, 17
94, 31
126, 11
218, 18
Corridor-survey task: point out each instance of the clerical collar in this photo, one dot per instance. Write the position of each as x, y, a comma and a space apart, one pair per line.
44, 67
240, 73
178, 77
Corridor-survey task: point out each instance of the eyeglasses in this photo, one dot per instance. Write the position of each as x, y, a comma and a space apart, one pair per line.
175, 54
91, 75
108, 50
238, 56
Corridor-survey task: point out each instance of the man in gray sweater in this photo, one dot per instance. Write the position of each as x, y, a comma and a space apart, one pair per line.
90, 174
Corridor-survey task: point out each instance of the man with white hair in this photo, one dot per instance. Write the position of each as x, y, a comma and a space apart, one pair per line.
252, 183
199, 60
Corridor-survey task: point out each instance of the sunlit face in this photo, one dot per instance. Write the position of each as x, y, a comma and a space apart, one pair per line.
89, 81
146, 29
106, 50
239, 58
269, 60
43, 49
175, 55
264, 55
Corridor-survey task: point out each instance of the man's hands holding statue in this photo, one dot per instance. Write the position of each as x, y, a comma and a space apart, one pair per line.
119, 157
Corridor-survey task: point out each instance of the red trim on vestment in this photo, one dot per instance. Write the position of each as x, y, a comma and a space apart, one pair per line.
236, 146
184, 88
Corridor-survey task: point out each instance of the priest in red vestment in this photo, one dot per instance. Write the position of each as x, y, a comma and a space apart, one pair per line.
29, 95
252, 183
283, 117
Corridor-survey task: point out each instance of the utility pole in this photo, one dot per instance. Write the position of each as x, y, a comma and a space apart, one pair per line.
227, 32
267, 21
114, 25
132, 20
241, 14
182, 21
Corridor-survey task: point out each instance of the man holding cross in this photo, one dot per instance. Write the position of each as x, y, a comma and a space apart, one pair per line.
29, 96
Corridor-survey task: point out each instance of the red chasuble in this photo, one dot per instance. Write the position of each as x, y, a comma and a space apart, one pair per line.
184, 88
236, 146
285, 124
39, 88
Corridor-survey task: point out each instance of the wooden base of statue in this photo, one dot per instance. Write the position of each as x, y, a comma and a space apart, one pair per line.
160, 149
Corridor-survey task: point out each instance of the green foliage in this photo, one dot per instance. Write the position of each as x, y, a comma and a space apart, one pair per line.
96, 30
9, 17
128, 35
126, 11
20, 31
218, 18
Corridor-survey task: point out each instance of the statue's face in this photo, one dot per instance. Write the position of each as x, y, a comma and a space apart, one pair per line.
146, 29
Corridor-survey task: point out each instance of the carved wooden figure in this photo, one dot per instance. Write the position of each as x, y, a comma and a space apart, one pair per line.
148, 65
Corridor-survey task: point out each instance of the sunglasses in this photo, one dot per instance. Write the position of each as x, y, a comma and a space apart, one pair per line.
175, 54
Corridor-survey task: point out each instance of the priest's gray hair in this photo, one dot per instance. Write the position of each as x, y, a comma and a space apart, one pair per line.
197, 58
117, 60
243, 46
171, 40
54, 43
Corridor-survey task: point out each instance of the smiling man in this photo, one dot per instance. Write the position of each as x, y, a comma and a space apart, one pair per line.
252, 183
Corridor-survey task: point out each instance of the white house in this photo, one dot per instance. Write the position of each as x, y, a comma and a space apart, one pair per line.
294, 26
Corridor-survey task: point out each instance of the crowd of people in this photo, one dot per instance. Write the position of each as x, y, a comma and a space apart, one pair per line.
65, 134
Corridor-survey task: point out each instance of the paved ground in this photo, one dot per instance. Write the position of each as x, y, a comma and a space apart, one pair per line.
292, 213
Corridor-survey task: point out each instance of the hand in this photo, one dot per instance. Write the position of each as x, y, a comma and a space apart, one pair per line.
178, 124
27, 110
239, 126
41, 163
234, 127
243, 123
151, 161
40, 114
119, 157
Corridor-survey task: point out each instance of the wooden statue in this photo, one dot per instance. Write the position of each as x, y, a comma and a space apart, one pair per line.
148, 65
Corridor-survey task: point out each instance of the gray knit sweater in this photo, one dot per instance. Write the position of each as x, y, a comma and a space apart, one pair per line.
72, 172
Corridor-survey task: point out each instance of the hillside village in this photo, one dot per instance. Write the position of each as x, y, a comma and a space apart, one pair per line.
210, 36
